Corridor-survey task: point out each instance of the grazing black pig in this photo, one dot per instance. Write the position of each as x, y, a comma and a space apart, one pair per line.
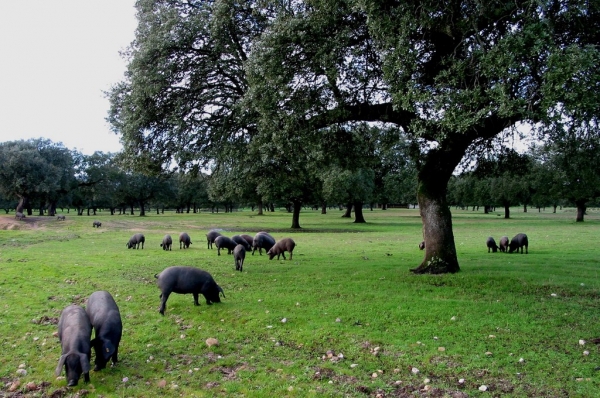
19, 216
135, 240
167, 242
96, 224
248, 239
518, 242
184, 240
106, 320
491, 244
223, 242
262, 240
74, 333
279, 248
504, 244
61, 218
422, 245
210, 238
183, 280
239, 255
240, 240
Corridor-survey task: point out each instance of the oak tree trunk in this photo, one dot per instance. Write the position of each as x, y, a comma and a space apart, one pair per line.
433, 176
581, 207
358, 213
296, 214
348, 212
23, 204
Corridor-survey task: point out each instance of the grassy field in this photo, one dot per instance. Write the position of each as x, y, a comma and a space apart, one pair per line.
357, 322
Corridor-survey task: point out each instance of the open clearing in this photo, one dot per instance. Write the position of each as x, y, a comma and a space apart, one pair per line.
344, 318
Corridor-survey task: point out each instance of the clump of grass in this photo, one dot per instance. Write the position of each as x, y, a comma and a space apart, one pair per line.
510, 322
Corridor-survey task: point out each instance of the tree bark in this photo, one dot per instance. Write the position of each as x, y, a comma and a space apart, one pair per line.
52, 208
581, 207
506, 211
23, 204
358, 213
348, 212
324, 208
434, 173
296, 214
260, 208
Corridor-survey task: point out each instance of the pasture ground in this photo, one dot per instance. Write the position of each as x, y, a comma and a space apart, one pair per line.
357, 322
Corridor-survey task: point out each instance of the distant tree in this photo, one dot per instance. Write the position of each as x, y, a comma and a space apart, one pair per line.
36, 168
578, 161
351, 187
507, 173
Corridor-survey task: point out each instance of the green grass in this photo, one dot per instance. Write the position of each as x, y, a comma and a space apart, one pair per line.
348, 290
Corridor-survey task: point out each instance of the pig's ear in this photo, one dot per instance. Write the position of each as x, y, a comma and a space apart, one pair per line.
85, 363
61, 363
108, 349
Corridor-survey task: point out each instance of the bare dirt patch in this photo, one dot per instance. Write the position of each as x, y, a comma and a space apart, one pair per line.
10, 223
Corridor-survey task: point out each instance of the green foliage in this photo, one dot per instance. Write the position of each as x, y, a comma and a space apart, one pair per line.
345, 186
35, 169
347, 290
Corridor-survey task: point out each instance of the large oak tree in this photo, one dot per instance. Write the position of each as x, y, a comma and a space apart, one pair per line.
451, 74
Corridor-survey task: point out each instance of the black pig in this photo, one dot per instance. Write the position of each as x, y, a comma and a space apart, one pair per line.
223, 242
74, 333
240, 240
106, 320
210, 238
167, 242
183, 280
262, 240
491, 244
135, 240
184, 240
239, 255
518, 242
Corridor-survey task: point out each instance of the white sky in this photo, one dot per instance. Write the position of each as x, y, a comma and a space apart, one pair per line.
56, 60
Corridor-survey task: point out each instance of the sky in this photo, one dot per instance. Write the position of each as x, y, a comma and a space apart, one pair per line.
57, 58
